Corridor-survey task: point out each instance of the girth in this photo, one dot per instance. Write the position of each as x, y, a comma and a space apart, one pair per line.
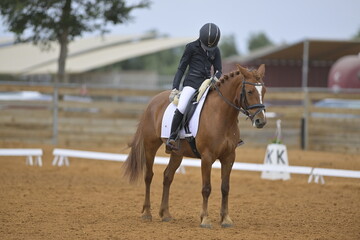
189, 112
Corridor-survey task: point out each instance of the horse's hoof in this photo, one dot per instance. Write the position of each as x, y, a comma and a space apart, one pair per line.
166, 219
206, 226
205, 222
226, 225
226, 222
147, 218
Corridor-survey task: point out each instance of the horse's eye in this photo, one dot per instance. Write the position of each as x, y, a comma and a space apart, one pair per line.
250, 92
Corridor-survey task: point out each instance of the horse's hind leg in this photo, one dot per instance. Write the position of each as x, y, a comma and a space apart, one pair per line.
150, 155
174, 163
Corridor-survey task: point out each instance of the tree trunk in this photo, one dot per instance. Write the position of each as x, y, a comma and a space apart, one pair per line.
62, 61
63, 40
62, 58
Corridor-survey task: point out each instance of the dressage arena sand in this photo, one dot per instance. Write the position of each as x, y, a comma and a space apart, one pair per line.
90, 200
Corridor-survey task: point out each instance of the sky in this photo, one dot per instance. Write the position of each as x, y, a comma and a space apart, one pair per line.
283, 21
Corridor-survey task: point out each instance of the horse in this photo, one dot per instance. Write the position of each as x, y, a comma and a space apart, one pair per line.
218, 135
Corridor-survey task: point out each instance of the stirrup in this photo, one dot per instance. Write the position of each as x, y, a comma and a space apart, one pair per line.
172, 144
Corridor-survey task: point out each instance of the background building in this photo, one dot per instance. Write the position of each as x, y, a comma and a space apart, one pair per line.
305, 63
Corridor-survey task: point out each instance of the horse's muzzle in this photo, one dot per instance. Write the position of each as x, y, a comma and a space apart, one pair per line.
259, 122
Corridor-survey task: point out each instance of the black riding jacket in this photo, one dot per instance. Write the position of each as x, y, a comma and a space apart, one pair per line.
199, 63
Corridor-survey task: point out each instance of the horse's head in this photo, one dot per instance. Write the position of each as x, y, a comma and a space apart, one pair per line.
252, 95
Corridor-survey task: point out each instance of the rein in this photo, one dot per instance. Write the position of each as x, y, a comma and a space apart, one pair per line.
242, 100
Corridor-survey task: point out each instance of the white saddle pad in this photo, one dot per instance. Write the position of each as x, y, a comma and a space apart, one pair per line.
193, 124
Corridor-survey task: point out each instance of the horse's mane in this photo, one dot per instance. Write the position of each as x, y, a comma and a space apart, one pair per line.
236, 73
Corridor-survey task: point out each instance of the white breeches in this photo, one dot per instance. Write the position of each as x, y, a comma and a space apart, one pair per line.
185, 96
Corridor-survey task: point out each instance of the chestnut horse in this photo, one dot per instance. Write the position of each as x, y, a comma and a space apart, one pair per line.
218, 136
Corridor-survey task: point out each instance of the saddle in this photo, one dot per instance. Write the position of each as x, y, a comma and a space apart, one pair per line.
206, 83
189, 112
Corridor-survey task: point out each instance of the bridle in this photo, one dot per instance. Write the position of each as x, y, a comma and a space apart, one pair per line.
244, 107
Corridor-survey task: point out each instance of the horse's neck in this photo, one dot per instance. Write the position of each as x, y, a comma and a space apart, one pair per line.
230, 91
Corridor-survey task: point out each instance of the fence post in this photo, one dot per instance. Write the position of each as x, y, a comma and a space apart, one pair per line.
305, 70
55, 110
305, 120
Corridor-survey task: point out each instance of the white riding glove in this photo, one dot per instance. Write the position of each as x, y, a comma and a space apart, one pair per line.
216, 79
173, 93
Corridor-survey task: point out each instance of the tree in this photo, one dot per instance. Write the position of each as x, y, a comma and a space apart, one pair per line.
357, 35
228, 46
164, 62
44, 21
258, 40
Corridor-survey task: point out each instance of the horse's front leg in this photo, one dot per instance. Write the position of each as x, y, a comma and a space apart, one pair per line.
206, 190
226, 166
174, 163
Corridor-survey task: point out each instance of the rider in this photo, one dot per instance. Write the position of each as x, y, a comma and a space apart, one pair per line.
200, 56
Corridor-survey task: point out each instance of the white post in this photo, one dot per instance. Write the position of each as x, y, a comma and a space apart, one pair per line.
39, 161
305, 70
29, 160
278, 131
56, 159
55, 111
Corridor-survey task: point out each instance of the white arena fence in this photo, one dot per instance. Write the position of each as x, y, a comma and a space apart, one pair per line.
106, 115
29, 153
61, 158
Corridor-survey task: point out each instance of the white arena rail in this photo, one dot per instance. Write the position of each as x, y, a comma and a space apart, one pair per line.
29, 153
62, 155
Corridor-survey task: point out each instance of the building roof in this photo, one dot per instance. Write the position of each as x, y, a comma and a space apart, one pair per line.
319, 50
84, 54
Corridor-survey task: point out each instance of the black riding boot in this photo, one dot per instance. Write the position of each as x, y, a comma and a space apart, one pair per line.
178, 116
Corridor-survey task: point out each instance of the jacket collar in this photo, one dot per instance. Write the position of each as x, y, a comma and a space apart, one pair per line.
204, 51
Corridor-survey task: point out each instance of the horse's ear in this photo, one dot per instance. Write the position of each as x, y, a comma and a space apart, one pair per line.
261, 70
244, 71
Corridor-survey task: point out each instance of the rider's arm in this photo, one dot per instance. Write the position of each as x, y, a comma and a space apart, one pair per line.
184, 62
217, 63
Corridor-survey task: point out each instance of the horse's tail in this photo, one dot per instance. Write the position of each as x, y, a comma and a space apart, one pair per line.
133, 167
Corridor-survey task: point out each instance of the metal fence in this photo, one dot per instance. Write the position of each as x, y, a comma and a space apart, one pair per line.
105, 115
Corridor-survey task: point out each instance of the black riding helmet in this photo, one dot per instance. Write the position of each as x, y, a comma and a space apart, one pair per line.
209, 36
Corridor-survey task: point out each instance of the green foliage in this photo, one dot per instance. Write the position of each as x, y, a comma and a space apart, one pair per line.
228, 46
166, 62
276, 141
44, 20
163, 62
357, 35
258, 40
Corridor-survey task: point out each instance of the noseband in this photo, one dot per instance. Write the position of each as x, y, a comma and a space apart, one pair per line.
243, 100
244, 107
